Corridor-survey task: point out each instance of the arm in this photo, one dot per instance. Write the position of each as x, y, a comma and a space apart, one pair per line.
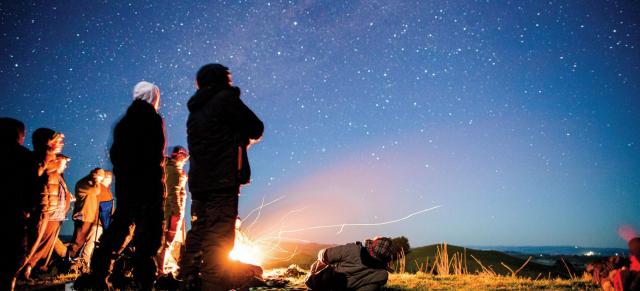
243, 120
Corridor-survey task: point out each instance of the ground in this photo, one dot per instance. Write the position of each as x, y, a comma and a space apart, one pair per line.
421, 281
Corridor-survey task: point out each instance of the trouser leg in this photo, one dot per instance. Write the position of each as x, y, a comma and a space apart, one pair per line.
147, 240
169, 237
92, 238
81, 234
36, 225
218, 238
112, 243
45, 245
191, 259
15, 252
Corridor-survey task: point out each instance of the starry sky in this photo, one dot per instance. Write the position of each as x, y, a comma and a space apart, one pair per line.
519, 118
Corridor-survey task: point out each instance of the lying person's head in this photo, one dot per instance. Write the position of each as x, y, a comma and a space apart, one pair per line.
379, 248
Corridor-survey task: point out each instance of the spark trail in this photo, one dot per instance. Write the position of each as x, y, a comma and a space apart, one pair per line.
342, 226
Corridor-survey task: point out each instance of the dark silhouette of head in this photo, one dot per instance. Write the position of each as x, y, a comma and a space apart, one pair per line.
213, 75
40, 139
11, 131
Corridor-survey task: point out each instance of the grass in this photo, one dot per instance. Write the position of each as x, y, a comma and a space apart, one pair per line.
423, 281
406, 281
451, 272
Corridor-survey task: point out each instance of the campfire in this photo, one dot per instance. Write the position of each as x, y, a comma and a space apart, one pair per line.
244, 249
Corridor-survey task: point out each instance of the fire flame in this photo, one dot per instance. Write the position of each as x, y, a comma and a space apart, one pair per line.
245, 250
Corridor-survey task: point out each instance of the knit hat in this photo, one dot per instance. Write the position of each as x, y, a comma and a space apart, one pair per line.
379, 248
147, 92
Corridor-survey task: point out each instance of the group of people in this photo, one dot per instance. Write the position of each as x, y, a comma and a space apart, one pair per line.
147, 218
618, 273
150, 194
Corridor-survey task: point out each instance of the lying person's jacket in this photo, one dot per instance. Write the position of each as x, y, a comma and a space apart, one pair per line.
354, 262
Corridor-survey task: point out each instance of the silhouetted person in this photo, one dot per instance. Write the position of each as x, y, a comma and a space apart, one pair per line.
352, 266
137, 154
220, 127
176, 182
18, 177
46, 145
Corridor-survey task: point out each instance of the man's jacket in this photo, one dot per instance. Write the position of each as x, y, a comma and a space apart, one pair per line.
86, 206
219, 128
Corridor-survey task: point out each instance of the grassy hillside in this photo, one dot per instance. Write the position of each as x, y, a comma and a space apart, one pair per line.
422, 258
422, 281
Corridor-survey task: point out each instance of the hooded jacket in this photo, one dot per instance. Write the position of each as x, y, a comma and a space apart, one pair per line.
218, 131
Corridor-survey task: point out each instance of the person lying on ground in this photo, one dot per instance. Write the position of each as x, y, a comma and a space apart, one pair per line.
352, 266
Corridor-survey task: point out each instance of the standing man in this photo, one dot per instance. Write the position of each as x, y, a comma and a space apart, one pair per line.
137, 155
105, 210
18, 178
220, 128
85, 213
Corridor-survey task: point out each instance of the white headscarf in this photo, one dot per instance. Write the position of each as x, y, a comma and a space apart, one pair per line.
148, 92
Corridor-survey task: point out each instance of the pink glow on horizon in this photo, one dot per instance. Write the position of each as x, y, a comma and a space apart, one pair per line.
627, 232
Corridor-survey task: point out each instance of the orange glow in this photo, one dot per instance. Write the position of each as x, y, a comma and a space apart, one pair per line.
245, 250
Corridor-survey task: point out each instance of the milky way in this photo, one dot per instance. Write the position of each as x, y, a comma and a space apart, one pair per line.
520, 119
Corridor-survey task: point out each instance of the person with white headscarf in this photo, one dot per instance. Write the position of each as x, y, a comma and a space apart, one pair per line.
137, 155
147, 92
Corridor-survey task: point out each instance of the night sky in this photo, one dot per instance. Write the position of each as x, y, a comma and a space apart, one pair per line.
520, 119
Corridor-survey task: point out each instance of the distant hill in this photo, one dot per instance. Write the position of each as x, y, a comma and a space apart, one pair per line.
556, 250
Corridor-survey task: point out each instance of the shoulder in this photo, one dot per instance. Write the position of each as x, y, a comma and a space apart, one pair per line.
228, 94
83, 183
344, 250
